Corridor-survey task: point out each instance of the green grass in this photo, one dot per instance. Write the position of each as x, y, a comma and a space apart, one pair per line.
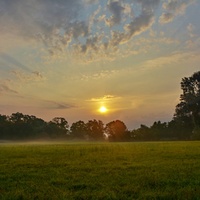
149, 170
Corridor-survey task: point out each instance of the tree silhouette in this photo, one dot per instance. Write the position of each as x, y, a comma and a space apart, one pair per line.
189, 106
61, 123
158, 130
95, 129
78, 130
116, 131
4, 124
20, 127
142, 133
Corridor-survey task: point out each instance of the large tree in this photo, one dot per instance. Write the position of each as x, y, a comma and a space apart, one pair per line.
95, 129
20, 126
79, 130
189, 106
57, 128
117, 131
61, 123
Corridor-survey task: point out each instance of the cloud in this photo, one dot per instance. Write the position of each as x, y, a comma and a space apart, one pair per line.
105, 44
104, 98
12, 62
93, 75
32, 77
173, 8
38, 74
57, 105
19, 70
89, 29
62, 105
29, 17
112, 50
169, 60
140, 24
116, 9
4, 88
166, 18
60, 25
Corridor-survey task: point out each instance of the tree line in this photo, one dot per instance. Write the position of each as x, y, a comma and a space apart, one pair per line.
25, 127
185, 124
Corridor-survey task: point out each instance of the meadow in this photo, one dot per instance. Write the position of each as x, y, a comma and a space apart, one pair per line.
137, 170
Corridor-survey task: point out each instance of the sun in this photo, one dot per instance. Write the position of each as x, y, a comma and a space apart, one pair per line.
103, 109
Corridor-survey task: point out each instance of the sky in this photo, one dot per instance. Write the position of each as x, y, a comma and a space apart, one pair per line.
64, 58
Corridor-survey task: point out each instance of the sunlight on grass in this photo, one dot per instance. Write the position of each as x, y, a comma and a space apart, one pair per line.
168, 170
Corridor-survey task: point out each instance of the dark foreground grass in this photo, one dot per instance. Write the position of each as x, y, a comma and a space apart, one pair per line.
157, 170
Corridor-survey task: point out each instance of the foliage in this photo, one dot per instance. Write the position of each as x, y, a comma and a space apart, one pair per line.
57, 128
116, 131
189, 107
61, 123
158, 131
95, 129
19, 127
78, 130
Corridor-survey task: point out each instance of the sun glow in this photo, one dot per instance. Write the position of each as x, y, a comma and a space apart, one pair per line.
103, 109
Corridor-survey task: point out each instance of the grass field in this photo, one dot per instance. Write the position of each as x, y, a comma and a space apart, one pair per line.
148, 170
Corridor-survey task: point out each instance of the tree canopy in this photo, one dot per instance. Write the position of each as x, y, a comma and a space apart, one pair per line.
188, 110
116, 131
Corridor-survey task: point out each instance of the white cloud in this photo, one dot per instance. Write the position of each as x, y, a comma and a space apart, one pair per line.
105, 98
